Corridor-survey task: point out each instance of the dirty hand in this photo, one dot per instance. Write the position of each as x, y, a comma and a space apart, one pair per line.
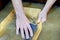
22, 23
42, 16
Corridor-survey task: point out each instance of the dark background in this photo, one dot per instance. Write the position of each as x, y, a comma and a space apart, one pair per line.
4, 2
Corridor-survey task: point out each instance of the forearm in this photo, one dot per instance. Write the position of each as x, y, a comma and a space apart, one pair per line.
48, 5
18, 7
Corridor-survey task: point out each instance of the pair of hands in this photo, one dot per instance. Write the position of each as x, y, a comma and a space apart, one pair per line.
22, 23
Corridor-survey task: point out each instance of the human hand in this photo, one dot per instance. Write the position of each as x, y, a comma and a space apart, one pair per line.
42, 16
22, 23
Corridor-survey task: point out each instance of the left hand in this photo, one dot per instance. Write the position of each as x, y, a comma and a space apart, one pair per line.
42, 16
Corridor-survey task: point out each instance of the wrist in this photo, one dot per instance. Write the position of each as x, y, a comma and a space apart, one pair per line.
44, 12
20, 15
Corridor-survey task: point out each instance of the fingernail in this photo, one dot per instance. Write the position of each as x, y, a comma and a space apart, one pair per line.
27, 37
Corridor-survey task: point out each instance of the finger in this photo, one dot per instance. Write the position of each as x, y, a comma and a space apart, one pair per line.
26, 33
17, 27
30, 30
22, 33
39, 19
17, 30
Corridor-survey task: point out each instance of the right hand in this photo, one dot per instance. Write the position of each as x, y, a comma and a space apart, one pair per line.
22, 23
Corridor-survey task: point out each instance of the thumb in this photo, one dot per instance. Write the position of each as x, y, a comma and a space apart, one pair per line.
39, 20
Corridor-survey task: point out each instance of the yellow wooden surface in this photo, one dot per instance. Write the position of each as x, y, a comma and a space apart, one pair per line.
37, 33
30, 12
5, 22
